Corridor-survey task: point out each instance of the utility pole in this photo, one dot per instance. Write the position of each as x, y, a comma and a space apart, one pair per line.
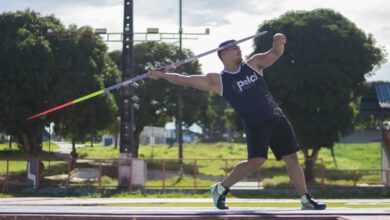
127, 109
179, 120
126, 145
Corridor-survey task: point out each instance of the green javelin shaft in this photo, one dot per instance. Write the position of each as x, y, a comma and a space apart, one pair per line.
88, 96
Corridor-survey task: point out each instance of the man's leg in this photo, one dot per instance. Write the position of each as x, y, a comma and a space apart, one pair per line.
242, 170
219, 190
296, 175
257, 136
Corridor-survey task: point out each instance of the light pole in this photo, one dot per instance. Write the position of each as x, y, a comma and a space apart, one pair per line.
179, 120
127, 110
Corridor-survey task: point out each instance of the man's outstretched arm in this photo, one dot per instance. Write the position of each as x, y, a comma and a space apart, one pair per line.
208, 82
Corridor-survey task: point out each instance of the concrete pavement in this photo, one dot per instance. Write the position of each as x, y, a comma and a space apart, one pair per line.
74, 201
132, 208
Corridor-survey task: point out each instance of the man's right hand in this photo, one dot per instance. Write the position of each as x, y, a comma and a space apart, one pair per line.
156, 74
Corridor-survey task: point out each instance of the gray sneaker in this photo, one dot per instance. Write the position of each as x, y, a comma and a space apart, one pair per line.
309, 203
218, 193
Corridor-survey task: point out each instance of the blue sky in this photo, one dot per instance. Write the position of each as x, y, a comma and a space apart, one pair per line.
226, 19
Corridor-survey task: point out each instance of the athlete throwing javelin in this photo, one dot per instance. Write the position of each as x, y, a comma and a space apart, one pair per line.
242, 84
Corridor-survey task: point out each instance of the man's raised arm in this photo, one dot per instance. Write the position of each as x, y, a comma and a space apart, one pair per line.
264, 60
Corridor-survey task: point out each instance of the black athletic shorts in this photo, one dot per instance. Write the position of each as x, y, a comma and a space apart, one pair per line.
275, 133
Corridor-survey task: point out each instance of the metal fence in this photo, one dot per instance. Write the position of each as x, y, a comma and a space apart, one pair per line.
169, 174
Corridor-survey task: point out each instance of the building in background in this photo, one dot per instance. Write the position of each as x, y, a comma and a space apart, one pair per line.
376, 102
162, 135
153, 136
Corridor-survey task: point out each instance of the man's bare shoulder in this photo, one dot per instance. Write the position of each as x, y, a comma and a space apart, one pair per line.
214, 80
213, 75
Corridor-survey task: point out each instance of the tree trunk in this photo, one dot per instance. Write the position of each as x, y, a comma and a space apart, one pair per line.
116, 140
10, 142
137, 134
31, 140
74, 155
310, 161
74, 152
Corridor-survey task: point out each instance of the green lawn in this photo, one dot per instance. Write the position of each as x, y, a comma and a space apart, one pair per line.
15, 150
20, 166
353, 156
348, 157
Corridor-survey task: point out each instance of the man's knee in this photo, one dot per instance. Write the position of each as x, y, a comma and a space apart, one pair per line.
291, 158
256, 162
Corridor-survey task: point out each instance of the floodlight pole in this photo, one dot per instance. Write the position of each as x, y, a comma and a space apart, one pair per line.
179, 119
127, 110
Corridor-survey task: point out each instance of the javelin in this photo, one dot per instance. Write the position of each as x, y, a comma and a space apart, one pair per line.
143, 76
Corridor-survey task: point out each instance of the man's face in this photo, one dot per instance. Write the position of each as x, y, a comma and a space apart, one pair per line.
232, 54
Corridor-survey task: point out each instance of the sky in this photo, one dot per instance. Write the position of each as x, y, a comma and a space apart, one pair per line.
226, 19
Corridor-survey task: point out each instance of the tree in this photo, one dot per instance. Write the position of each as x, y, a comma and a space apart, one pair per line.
158, 99
320, 75
25, 60
45, 65
89, 68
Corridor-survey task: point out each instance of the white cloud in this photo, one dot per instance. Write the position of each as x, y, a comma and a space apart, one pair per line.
382, 74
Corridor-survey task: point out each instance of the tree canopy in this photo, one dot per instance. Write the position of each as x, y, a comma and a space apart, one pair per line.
88, 69
44, 65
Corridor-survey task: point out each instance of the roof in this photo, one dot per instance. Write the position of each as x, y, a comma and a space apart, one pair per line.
383, 94
377, 100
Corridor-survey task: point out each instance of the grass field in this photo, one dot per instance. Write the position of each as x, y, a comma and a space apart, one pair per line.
20, 166
348, 157
15, 150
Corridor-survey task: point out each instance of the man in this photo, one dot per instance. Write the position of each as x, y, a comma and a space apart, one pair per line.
242, 84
